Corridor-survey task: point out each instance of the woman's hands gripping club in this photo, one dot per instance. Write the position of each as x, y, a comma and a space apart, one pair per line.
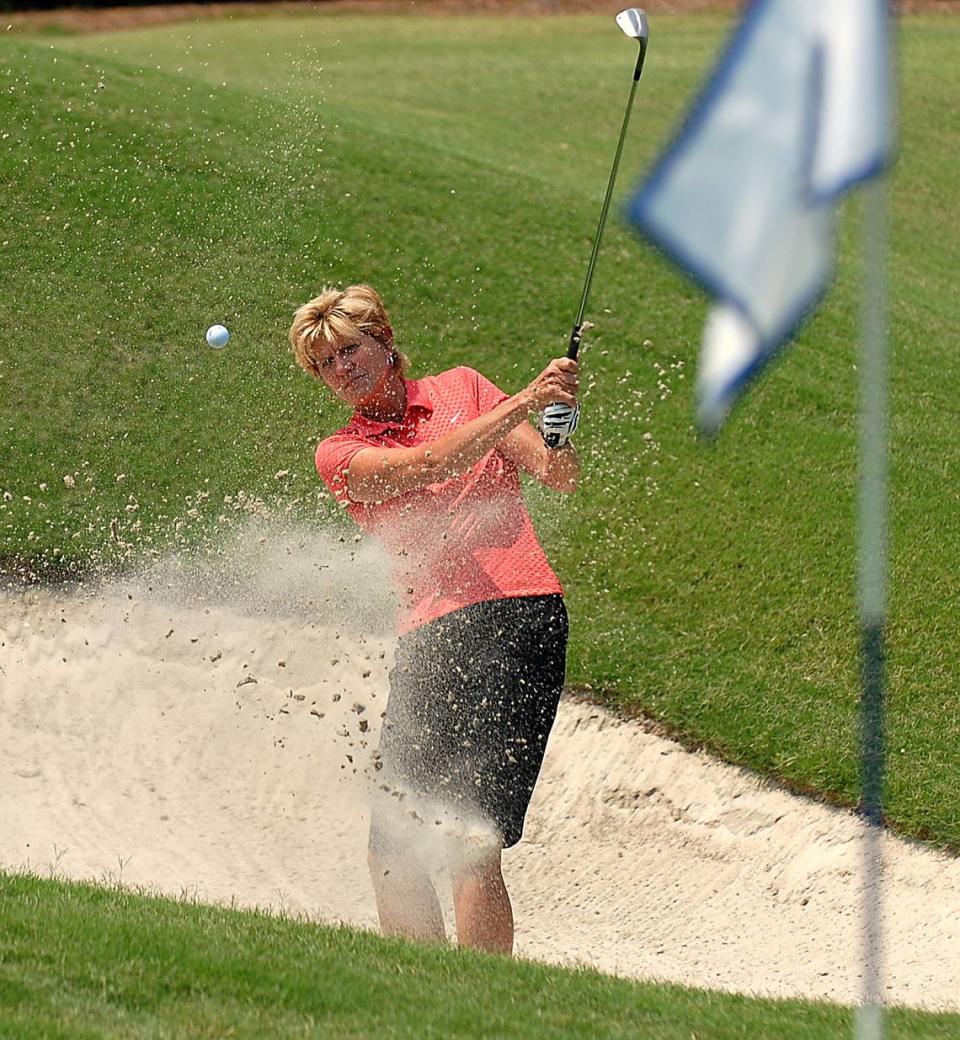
555, 393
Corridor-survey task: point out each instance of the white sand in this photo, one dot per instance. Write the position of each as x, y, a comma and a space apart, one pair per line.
129, 750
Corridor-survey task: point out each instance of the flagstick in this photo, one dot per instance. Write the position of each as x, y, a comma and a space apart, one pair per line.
872, 591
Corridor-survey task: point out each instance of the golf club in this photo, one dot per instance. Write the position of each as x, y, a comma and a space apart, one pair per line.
558, 420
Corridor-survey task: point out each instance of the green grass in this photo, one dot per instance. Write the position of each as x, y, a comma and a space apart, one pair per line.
80, 961
222, 171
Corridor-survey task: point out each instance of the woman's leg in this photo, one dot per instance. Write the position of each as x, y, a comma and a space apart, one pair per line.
406, 900
482, 906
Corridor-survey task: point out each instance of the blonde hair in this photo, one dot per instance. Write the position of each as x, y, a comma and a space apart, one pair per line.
337, 316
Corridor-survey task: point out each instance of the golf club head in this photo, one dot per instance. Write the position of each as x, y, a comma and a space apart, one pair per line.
633, 22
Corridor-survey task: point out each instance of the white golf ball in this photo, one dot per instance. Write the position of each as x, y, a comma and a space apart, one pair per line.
218, 336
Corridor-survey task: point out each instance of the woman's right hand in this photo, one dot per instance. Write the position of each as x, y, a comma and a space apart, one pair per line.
557, 384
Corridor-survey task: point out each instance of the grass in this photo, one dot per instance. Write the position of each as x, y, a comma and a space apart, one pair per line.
222, 171
80, 961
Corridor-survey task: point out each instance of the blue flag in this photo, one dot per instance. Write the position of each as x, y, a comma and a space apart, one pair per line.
796, 112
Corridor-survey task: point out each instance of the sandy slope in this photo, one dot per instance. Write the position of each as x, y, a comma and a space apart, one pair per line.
191, 734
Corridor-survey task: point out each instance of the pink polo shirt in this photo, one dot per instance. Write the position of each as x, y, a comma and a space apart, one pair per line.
461, 541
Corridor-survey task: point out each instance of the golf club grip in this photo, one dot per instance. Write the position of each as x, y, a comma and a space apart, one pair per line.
575, 337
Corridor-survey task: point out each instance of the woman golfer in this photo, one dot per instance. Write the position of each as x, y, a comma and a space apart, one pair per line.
430, 468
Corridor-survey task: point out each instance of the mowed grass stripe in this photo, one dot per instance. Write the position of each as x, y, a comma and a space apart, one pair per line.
712, 588
83, 961
541, 97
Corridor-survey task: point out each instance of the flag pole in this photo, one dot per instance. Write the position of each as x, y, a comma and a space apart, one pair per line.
872, 593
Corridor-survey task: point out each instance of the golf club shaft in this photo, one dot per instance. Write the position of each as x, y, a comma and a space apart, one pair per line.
574, 349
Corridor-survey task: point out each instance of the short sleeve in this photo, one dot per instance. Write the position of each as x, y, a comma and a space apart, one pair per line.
488, 394
333, 458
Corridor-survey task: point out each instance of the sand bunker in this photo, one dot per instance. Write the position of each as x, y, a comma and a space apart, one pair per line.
200, 735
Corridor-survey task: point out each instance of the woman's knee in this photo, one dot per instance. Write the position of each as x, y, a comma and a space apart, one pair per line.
386, 860
483, 868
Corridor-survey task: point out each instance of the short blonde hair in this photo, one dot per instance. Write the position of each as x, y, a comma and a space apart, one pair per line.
337, 316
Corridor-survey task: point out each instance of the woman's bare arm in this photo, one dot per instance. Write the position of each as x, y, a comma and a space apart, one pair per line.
555, 468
